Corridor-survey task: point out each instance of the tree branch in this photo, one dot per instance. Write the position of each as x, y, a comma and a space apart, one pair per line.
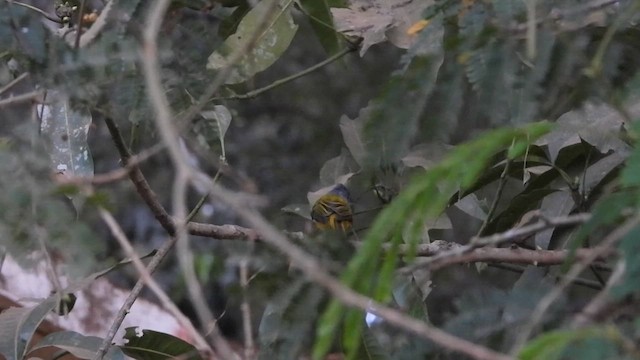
146, 279
510, 235
497, 255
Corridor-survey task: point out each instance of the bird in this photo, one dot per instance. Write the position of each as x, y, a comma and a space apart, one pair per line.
333, 210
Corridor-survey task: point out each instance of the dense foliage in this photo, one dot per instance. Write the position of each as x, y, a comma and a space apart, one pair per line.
493, 168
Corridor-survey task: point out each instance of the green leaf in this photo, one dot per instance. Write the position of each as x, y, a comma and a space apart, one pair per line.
551, 345
352, 334
285, 330
211, 130
156, 345
371, 348
322, 22
629, 248
80, 346
66, 129
327, 328
17, 326
229, 25
273, 37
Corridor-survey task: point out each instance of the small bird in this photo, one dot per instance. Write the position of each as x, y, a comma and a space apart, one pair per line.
333, 210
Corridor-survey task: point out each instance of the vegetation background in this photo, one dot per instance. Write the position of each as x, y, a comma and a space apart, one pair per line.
489, 147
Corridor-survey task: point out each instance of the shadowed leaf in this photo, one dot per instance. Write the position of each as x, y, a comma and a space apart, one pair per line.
271, 42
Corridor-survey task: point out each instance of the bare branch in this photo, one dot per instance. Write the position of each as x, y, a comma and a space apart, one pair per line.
14, 82
249, 347
510, 235
145, 276
497, 255
12, 100
169, 134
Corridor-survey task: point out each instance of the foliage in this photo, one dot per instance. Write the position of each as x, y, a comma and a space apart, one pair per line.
496, 115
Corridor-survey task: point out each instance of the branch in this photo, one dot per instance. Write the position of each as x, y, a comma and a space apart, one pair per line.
146, 279
496, 199
169, 134
39, 11
14, 82
12, 100
275, 84
510, 235
497, 255
222, 232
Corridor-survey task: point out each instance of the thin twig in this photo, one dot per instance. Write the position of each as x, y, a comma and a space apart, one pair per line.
224, 73
544, 304
253, 93
12, 100
79, 30
33, 8
169, 134
496, 199
519, 269
14, 82
249, 347
599, 302
148, 280
496, 239
202, 200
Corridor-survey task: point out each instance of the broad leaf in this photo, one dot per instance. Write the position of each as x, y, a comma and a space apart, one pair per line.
66, 129
229, 25
378, 20
354, 138
598, 125
80, 346
17, 326
156, 345
322, 22
212, 129
272, 38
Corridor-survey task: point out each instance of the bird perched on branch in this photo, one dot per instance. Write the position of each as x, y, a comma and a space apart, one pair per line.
333, 210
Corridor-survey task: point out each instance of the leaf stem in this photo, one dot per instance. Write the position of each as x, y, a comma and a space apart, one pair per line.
256, 92
494, 204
